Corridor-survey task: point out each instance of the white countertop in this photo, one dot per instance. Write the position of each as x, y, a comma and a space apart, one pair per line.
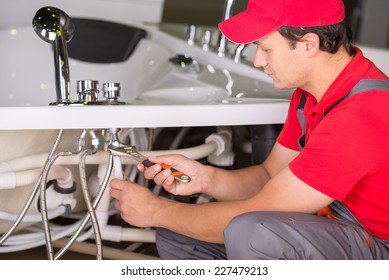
129, 116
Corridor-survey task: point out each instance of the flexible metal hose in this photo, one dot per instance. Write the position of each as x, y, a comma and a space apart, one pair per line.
87, 216
88, 202
43, 204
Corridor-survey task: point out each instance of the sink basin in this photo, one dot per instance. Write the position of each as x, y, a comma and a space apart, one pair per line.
251, 100
27, 73
194, 95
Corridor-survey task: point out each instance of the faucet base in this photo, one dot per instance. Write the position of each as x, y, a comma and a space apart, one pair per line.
85, 103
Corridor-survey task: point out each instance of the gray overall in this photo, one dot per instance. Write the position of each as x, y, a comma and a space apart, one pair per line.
286, 235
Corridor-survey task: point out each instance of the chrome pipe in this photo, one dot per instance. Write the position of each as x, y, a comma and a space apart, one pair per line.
222, 42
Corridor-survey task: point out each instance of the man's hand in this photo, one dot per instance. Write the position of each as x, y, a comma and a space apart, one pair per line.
137, 204
195, 170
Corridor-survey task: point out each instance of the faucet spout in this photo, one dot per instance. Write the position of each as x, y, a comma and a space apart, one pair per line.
239, 52
55, 26
222, 41
62, 77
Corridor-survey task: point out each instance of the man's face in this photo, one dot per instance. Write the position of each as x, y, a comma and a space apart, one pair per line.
286, 66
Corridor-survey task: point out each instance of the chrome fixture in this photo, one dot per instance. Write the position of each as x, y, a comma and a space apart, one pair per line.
87, 90
55, 26
222, 42
206, 39
111, 93
113, 137
191, 34
238, 55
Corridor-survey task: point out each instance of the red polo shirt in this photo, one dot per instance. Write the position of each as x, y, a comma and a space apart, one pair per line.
346, 155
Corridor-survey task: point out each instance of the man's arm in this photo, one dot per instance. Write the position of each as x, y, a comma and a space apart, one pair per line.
281, 191
284, 192
246, 182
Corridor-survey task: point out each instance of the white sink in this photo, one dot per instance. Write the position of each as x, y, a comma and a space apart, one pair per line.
194, 95
27, 69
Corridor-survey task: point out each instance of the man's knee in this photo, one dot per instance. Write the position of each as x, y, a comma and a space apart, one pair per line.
164, 245
172, 245
244, 236
264, 235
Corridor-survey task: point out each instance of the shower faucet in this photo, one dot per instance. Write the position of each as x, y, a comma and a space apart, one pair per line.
55, 26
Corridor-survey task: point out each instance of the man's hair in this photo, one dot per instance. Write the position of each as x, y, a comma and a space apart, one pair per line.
332, 37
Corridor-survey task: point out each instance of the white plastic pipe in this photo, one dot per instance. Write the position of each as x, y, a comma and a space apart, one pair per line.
58, 233
38, 160
33, 217
55, 199
11, 179
101, 157
118, 234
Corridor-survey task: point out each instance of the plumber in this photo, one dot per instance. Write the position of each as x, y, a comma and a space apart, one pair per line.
323, 192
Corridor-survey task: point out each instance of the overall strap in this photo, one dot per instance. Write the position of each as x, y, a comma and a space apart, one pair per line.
301, 119
337, 209
361, 86
340, 211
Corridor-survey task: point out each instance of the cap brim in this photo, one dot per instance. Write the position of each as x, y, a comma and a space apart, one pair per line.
243, 28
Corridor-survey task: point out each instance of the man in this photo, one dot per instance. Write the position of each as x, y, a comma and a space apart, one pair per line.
340, 158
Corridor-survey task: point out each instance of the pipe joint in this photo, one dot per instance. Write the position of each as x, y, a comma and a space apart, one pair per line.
222, 138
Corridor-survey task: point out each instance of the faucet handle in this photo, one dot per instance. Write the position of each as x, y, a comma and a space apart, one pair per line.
111, 91
206, 39
87, 90
191, 34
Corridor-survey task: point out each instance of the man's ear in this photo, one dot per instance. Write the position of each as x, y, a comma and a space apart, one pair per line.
311, 43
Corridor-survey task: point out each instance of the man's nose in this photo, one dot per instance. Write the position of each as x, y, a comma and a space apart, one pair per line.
259, 59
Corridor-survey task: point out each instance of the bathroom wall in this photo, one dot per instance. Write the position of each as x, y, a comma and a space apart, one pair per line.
365, 17
199, 12
14, 13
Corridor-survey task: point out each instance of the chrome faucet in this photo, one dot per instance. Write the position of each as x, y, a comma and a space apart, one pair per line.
222, 41
238, 54
55, 26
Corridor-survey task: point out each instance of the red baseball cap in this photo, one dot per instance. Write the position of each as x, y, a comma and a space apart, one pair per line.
265, 16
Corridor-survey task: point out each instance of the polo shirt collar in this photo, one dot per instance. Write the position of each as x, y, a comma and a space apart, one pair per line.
342, 85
